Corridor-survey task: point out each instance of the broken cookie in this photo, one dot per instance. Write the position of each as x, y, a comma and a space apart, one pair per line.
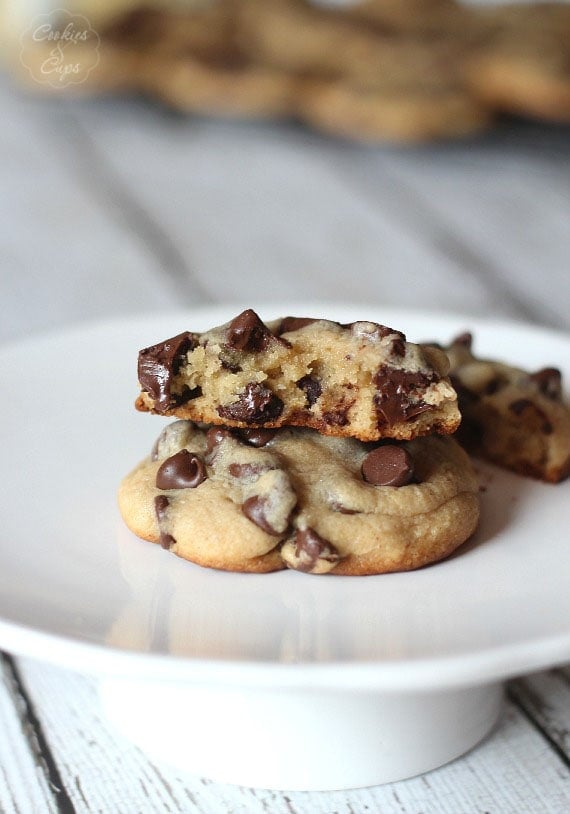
361, 380
512, 417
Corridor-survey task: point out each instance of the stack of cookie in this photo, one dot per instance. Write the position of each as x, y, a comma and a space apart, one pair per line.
403, 70
301, 443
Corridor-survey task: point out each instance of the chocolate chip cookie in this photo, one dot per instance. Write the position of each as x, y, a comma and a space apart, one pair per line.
524, 65
398, 70
361, 380
514, 418
260, 500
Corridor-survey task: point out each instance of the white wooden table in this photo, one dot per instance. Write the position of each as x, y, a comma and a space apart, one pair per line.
112, 208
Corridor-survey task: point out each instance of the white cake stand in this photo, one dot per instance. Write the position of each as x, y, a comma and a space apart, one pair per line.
286, 680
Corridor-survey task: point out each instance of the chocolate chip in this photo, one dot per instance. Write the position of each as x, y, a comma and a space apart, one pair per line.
256, 404
394, 401
399, 346
465, 339
388, 465
311, 547
520, 406
257, 437
233, 367
185, 470
161, 504
246, 470
549, 382
337, 417
159, 363
312, 388
216, 435
248, 333
255, 509
294, 324
186, 394
492, 387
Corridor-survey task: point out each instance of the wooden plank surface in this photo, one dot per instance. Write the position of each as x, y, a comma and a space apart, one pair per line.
514, 770
24, 779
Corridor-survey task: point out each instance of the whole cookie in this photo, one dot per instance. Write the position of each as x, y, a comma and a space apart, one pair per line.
225, 85
258, 501
411, 112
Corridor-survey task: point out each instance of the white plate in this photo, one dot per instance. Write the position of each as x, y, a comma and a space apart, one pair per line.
78, 589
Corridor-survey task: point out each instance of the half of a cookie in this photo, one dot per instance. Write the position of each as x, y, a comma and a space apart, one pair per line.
512, 417
361, 380
263, 500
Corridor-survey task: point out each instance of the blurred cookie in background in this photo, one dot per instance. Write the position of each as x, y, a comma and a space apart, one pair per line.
379, 70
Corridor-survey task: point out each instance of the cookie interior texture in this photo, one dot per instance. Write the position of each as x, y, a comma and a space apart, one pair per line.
512, 417
361, 380
295, 498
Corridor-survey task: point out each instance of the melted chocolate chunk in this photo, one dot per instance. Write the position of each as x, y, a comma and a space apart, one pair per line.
394, 400
159, 363
255, 508
312, 388
549, 382
248, 333
256, 404
257, 437
161, 503
311, 547
388, 465
184, 470
186, 394
294, 324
